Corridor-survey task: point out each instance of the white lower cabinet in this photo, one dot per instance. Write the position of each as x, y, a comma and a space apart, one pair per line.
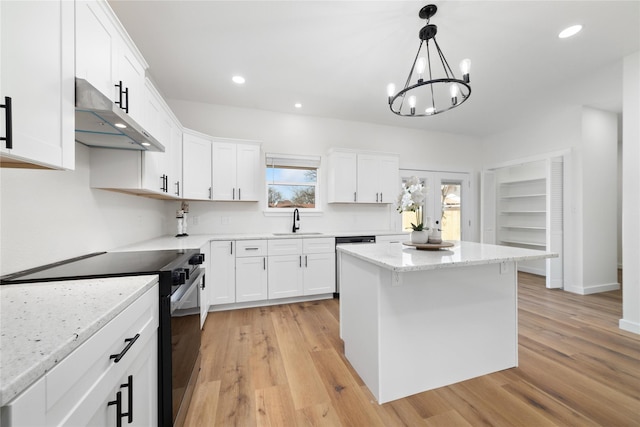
119, 363
222, 277
251, 270
301, 267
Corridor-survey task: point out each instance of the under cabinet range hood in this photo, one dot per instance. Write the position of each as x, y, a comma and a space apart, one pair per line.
102, 123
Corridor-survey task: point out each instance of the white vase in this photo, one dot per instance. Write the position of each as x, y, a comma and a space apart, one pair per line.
419, 236
435, 237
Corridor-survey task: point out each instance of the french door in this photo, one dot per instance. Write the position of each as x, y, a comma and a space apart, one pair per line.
448, 201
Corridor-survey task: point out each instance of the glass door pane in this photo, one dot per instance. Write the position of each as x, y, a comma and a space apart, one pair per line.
450, 200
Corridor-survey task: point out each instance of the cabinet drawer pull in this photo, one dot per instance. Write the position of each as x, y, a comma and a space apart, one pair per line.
8, 137
305, 261
129, 341
118, 403
264, 263
239, 194
231, 247
234, 194
129, 385
251, 249
354, 197
177, 188
380, 197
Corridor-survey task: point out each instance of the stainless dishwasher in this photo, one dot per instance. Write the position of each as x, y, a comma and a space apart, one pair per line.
349, 240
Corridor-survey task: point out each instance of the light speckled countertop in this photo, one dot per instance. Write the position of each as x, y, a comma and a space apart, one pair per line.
403, 259
42, 323
196, 241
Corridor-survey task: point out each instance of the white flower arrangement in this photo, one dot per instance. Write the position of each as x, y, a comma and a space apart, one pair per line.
411, 199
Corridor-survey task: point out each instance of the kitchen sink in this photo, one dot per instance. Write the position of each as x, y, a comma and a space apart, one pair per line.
304, 233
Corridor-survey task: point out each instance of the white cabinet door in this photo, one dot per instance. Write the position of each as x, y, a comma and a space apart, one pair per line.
224, 171
94, 46
319, 273
249, 172
37, 74
196, 171
368, 170
388, 179
221, 280
175, 157
251, 279
342, 177
285, 276
131, 72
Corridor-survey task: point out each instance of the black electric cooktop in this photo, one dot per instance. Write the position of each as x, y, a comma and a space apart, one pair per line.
104, 264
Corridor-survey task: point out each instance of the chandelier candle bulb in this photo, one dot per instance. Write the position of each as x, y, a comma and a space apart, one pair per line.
421, 64
412, 104
391, 88
453, 89
465, 67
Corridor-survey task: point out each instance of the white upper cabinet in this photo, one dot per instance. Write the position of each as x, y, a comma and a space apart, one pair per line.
36, 84
107, 58
356, 177
343, 177
196, 161
236, 170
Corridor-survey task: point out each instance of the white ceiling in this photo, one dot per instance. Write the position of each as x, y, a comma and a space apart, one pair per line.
337, 57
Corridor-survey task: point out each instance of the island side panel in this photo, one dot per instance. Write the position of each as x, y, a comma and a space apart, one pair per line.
359, 317
444, 326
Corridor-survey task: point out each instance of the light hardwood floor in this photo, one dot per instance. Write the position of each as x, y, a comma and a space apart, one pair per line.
284, 366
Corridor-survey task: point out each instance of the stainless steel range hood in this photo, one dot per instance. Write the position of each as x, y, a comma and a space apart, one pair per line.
102, 123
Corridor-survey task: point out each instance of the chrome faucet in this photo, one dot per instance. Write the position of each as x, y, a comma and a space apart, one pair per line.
296, 220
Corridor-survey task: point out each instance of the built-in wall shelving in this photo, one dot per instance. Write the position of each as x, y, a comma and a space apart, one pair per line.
522, 207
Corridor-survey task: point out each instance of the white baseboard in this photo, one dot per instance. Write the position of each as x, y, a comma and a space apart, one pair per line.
265, 303
532, 270
605, 287
629, 326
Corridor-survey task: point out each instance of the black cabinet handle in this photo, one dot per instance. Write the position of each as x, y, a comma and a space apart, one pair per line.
234, 194
130, 342
239, 194
300, 263
129, 385
210, 193
354, 197
8, 125
264, 263
118, 403
204, 285
119, 101
177, 188
380, 197
231, 248
161, 182
126, 100
305, 261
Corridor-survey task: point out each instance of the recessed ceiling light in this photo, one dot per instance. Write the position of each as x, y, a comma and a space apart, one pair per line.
571, 31
297, 105
238, 80
121, 126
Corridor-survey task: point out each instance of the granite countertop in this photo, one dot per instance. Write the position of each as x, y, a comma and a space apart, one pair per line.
401, 258
42, 323
196, 241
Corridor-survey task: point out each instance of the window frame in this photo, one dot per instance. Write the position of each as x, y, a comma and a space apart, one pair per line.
296, 162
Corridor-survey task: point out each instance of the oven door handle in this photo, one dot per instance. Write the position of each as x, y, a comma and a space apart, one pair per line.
183, 296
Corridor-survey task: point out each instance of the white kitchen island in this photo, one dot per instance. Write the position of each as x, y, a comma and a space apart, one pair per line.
414, 320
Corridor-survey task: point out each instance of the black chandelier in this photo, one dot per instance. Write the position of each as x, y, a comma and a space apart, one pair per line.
430, 94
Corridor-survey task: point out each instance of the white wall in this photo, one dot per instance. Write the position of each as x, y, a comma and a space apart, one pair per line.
48, 216
631, 196
300, 134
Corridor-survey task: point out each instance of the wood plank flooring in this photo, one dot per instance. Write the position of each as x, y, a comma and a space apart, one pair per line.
284, 366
